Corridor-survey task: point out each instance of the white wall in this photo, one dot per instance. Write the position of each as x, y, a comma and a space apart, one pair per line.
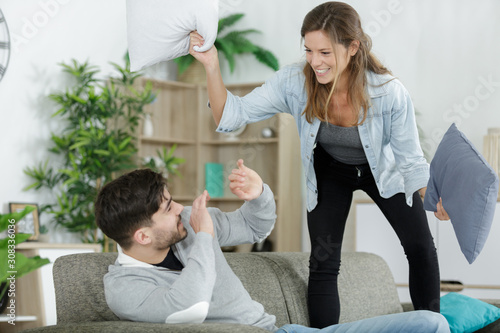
445, 52
45, 33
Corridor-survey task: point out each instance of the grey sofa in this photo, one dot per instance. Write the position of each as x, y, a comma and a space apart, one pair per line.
277, 280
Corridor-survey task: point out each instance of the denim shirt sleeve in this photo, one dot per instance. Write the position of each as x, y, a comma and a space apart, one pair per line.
405, 144
262, 103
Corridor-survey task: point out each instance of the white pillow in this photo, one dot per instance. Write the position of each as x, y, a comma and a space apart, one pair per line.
158, 30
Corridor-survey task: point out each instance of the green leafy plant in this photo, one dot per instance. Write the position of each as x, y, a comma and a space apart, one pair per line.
165, 162
98, 143
13, 260
43, 229
233, 43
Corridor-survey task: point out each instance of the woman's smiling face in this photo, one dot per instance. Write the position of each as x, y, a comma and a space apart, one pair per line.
320, 54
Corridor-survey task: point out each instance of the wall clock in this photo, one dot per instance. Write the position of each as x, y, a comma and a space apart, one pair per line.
4, 45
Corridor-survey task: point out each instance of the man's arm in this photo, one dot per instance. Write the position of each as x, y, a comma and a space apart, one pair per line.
253, 221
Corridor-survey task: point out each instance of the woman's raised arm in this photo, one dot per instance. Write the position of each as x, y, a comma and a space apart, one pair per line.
217, 93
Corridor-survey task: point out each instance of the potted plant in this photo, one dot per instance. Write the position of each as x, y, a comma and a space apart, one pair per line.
16, 263
165, 163
230, 44
98, 143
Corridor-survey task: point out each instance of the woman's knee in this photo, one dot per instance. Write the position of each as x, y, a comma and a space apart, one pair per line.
420, 250
325, 256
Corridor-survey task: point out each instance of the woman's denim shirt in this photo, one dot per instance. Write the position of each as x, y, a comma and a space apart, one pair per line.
389, 134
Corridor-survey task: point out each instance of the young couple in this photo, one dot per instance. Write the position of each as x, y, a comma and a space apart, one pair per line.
357, 128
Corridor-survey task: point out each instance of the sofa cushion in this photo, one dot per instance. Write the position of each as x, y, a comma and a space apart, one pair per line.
366, 285
262, 283
469, 187
79, 286
467, 314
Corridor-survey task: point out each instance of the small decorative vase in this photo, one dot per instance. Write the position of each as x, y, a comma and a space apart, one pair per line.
43, 238
147, 131
491, 150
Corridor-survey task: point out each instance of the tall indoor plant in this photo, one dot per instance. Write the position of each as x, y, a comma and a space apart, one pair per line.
233, 43
98, 143
16, 263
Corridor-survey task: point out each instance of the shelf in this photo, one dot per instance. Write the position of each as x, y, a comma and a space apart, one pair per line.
223, 199
239, 141
5, 319
31, 245
180, 116
167, 84
160, 141
178, 198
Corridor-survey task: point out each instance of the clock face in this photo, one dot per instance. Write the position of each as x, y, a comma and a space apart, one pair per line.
4, 45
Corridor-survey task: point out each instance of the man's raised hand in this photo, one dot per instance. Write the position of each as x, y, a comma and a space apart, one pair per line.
245, 183
200, 219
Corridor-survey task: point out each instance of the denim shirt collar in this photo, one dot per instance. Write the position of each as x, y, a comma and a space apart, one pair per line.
376, 87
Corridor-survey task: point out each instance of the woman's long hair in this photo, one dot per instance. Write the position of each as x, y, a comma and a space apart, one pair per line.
343, 26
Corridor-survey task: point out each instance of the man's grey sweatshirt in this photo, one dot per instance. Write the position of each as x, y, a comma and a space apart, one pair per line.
206, 289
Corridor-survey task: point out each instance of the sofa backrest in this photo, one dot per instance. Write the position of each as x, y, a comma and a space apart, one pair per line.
79, 287
366, 284
277, 280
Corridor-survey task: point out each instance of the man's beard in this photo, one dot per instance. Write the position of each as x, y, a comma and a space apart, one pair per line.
165, 240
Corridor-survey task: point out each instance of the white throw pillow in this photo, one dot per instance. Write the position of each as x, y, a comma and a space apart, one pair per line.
158, 30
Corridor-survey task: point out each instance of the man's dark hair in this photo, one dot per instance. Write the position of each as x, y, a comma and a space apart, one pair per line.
128, 203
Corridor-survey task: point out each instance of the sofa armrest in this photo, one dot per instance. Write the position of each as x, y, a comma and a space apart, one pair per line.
132, 327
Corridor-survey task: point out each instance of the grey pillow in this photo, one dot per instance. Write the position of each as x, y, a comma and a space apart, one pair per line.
468, 185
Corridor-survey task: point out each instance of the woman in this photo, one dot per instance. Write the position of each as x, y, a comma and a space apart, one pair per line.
357, 128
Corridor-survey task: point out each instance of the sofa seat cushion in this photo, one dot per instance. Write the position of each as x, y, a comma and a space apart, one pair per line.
138, 327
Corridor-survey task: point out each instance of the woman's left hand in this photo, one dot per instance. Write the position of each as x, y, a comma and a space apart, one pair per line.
441, 214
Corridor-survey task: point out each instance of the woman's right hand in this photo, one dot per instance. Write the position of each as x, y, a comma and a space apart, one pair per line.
209, 58
217, 93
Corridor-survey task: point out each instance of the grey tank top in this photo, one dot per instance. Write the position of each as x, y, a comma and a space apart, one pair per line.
342, 143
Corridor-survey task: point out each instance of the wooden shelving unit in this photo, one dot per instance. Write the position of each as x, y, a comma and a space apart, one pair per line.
181, 116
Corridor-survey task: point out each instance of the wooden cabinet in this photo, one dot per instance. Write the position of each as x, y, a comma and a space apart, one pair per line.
180, 115
35, 295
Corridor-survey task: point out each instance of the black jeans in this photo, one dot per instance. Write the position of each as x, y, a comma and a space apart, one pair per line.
336, 183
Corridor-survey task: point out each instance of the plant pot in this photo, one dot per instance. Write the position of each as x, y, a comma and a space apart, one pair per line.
43, 238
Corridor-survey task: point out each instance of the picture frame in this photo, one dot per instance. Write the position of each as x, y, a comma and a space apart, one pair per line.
29, 224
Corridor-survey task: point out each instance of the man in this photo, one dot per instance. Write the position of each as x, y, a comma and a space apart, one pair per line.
170, 268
